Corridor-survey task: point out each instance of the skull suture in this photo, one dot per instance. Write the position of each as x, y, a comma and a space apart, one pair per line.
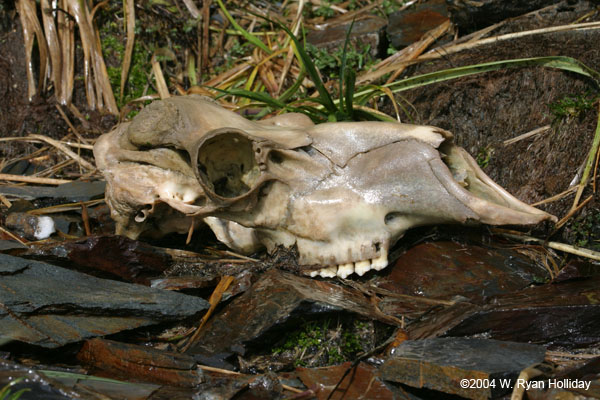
343, 193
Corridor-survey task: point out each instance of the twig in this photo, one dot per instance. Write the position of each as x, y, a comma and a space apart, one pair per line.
5, 201
525, 375
215, 299
79, 116
595, 172
359, 359
527, 135
290, 54
65, 207
129, 9
557, 196
240, 256
189, 4
420, 46
29, 139
562, 354
451, 49
32, 179
578, 251
55, 168
190, 231
219, 370
68, 122
12, 235
86, 219
397, 62
320, 3
571, 213
161, 84
65, 150
205, 38
229, 75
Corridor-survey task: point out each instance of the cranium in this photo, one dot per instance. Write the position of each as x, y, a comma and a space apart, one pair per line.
343, 193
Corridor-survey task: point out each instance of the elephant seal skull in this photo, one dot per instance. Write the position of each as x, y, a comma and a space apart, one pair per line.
343, 193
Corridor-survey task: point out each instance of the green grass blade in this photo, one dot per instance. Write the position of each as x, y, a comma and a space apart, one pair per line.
316, 114
362, 115
589, 163
343, 65
559, 62
17, 395
5, 392
285, 96
311, 69
307, 64
249, 37
350, 84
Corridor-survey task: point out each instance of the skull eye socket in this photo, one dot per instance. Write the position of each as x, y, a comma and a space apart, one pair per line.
227, 165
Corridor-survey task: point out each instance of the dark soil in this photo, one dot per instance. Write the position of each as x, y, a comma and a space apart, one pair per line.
485, 110
18, 115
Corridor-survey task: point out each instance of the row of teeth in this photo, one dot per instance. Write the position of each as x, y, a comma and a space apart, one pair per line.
359, 268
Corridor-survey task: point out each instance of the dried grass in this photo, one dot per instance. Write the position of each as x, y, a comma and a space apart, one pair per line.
56, 46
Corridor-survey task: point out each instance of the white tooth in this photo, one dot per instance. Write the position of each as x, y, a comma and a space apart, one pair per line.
328, 272
314, 273
361, 267
345, 269
380, 262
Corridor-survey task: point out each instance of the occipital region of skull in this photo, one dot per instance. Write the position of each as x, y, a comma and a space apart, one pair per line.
343, 193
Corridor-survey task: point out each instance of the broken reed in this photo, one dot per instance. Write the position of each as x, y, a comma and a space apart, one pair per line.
56, 46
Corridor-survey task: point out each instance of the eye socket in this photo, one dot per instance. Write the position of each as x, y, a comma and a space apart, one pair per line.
226, 164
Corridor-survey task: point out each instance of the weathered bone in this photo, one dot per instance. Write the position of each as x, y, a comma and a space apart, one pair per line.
343, 193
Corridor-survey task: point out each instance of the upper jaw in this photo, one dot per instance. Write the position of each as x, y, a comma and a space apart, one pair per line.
491, 203
358, 267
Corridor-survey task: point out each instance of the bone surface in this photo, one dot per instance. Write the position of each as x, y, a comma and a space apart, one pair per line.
342, 193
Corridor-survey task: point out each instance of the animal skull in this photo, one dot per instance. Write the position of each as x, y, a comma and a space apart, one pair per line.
343, 193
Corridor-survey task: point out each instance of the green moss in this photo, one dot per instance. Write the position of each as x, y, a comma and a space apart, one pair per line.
388, 7
324, 10
357, 57
137, 80
320, 343
484, 155
573, 106
585, 230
